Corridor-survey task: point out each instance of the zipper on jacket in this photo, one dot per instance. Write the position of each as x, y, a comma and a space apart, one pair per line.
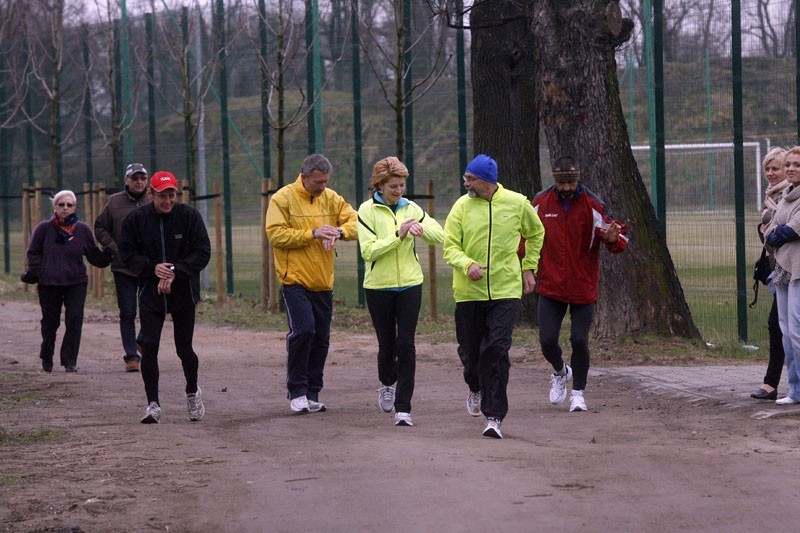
489, 254
163, 256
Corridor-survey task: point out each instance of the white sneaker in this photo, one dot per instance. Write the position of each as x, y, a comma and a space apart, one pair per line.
787, 400
474, 403
403, 419
194, 405
386, 399
152, 414
493, 429
558, 386
316, 407
300, 405
577, 401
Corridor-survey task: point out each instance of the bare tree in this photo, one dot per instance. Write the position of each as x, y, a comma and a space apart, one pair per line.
288, 103
112, 118
383, 40
182, 82
43, 72
773, 26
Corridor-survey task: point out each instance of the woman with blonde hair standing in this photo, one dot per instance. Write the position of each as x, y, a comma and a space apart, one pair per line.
783, 236
772, 166
387, 227
55, 256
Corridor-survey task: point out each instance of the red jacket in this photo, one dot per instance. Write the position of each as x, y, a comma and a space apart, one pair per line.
569, 268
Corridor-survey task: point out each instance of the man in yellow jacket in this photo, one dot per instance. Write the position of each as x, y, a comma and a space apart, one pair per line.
482, 234
304, 221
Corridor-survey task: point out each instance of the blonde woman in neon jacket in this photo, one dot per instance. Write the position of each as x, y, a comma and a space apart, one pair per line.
387, 227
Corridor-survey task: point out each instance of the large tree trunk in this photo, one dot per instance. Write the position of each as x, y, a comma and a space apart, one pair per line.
582, 115
504, 89
504, 92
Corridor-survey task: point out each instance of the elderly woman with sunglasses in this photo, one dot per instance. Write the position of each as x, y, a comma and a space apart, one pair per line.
55, 256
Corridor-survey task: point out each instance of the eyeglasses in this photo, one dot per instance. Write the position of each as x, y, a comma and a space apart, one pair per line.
64, 204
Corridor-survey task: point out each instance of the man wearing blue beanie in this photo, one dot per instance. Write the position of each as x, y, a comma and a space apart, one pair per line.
482, 235
483, 167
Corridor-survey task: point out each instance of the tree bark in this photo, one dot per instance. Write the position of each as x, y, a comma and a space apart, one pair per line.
582, 115
505, 89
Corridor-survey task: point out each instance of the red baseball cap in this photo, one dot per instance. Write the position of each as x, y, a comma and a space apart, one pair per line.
163, 180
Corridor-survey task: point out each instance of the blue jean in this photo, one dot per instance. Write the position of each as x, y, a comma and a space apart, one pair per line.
309, 316
127, 287
789, 318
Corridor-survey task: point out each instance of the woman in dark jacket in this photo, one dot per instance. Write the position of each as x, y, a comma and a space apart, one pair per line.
55, 258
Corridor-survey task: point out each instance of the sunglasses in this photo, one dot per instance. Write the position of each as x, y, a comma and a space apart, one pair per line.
138, 177
64, 204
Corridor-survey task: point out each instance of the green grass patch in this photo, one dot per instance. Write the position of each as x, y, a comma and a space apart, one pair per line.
9, 481
37, 436
15, 400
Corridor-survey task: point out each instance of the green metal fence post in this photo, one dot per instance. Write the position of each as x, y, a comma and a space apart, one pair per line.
357, 138
127, 116
151, 91
313, 78
738, 167
187, 124
649, 58
226, 156
116, 126
408, 83
658, 86
265, 87
87, 113
461, 80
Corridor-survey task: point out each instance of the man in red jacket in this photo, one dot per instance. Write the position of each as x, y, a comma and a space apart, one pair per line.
576, 224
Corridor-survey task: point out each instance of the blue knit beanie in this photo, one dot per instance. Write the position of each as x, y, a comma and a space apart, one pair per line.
483, 167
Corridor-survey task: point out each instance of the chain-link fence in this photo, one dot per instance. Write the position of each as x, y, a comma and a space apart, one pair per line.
153, 91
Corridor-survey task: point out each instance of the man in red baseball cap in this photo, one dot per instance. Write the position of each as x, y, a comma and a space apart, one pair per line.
166, 244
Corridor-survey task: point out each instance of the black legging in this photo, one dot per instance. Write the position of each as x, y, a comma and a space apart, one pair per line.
776, 355
394, 316
183, 331
551, 315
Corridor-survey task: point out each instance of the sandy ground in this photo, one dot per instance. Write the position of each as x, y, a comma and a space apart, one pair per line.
639, 460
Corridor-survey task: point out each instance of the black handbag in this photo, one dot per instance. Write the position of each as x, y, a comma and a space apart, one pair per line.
29, 277
763, 268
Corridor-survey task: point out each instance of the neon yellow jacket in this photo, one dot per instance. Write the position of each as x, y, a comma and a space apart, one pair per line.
392, 263
488, 233
293, 213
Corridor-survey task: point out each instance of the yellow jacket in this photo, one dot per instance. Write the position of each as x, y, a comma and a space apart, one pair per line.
293, 213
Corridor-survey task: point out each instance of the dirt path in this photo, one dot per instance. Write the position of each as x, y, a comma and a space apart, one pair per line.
637, 461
